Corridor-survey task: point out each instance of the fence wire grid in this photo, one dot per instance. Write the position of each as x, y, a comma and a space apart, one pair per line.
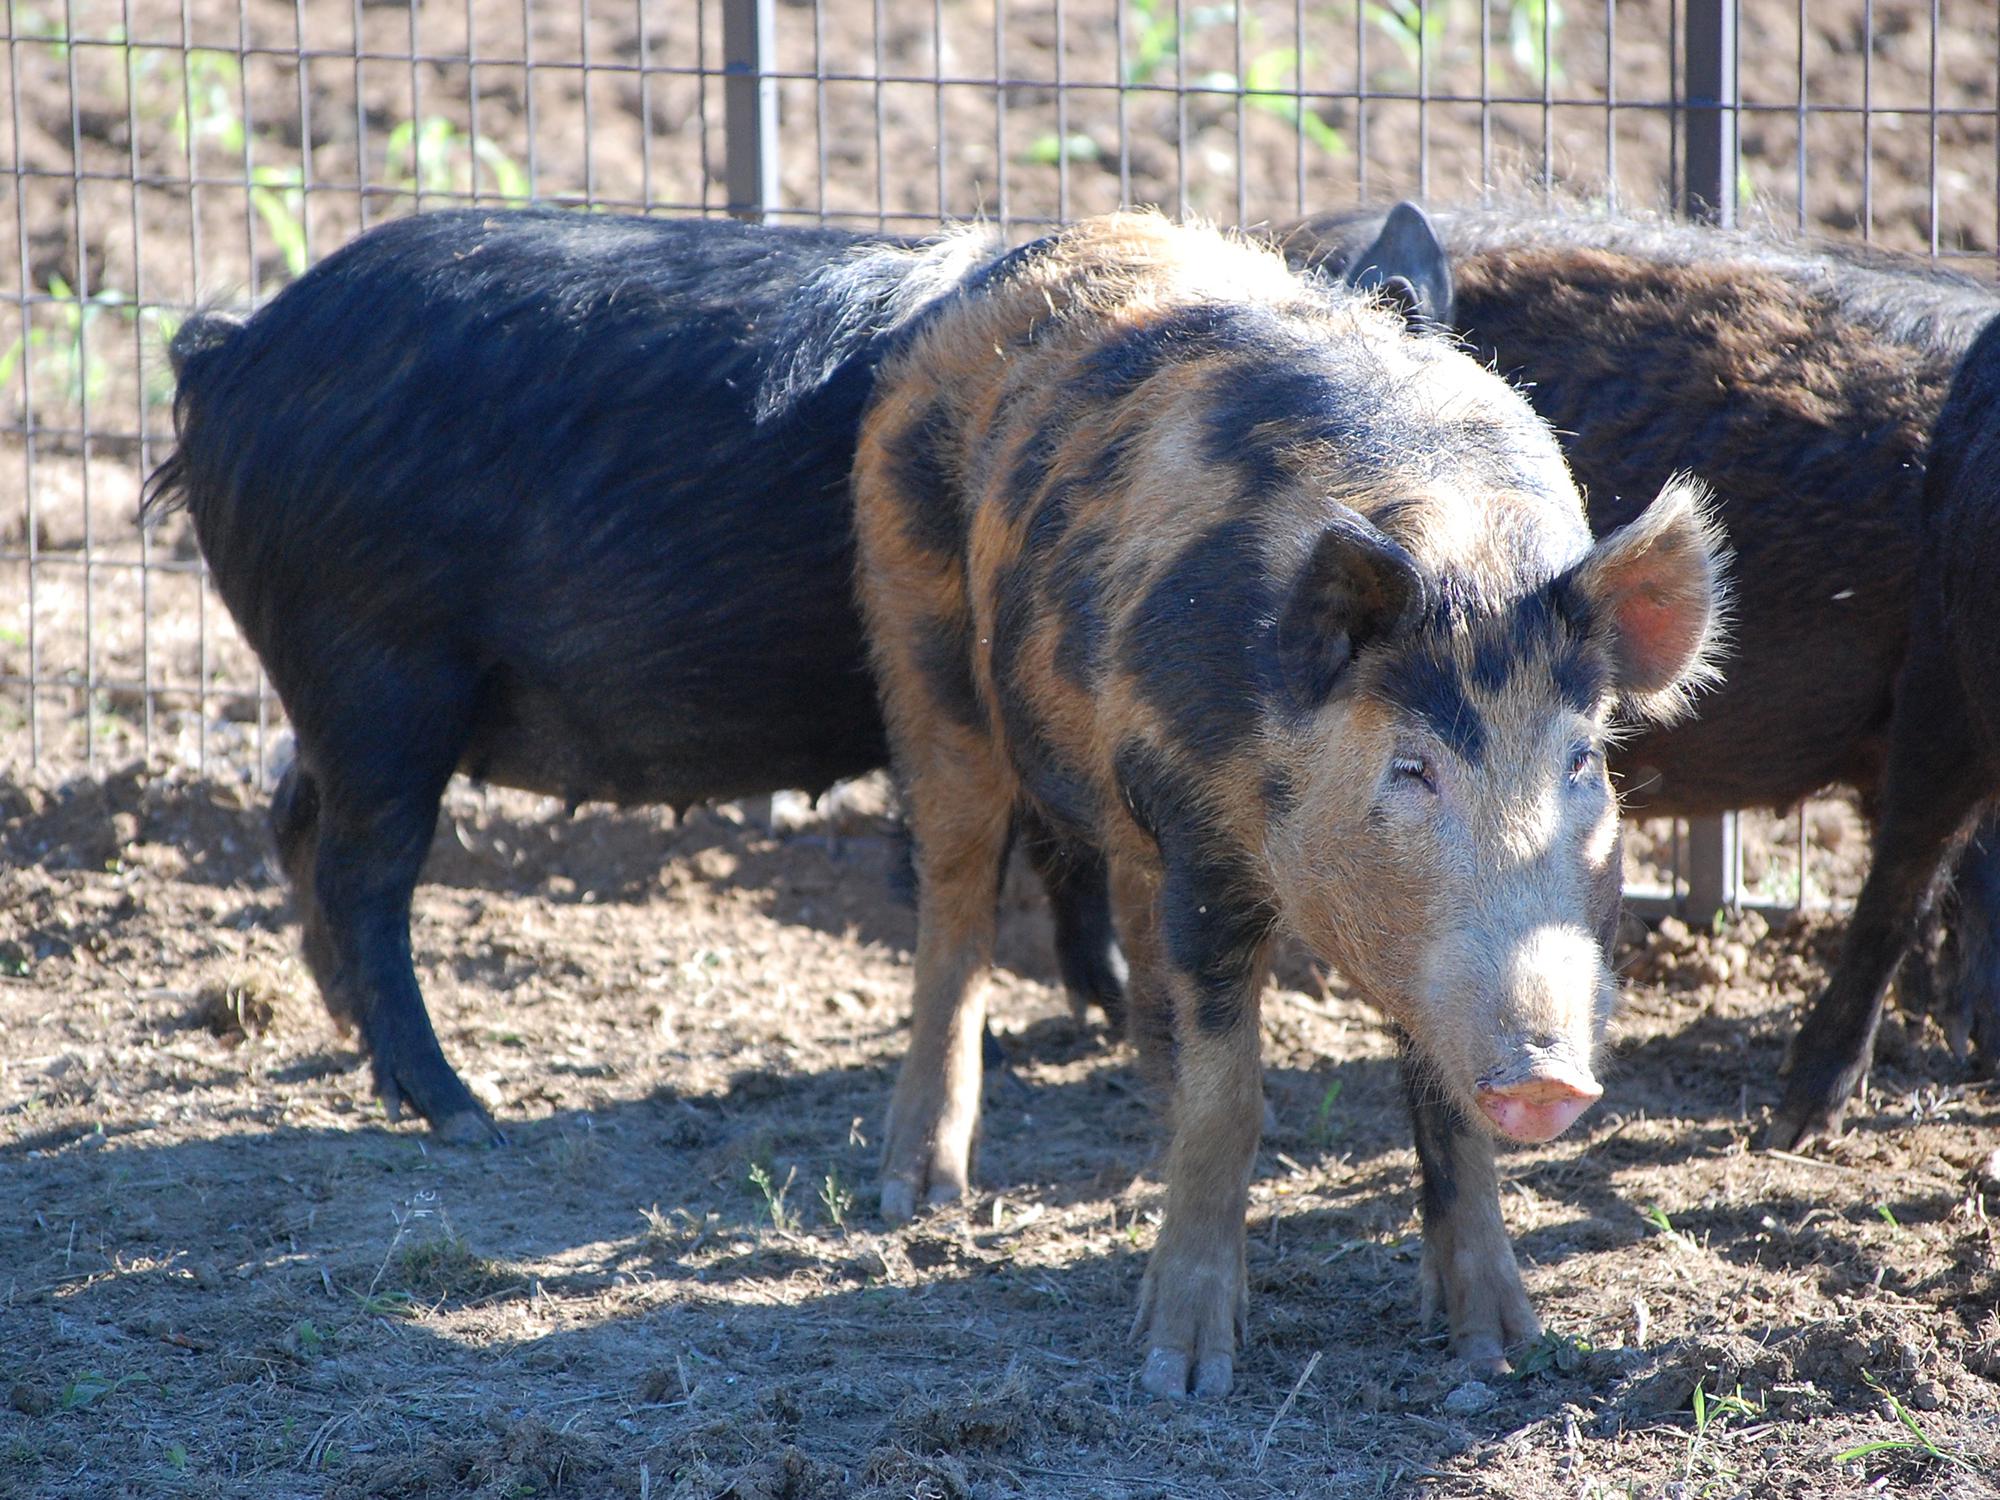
162, 154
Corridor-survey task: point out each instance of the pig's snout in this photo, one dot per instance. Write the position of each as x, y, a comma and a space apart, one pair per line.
1542, 1105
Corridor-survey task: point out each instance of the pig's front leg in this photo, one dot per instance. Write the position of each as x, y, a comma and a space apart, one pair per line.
1468, 1271
1193, 1303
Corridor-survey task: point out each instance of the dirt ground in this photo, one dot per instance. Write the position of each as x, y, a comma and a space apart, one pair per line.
222, 1273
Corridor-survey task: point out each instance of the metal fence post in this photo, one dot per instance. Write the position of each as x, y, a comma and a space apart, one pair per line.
1709, 115
1708, 193
749, 108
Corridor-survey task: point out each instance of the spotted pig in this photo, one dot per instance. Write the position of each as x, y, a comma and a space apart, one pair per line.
1295, 614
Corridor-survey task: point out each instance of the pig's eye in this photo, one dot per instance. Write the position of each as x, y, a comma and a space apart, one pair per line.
1584, 762
1415, 768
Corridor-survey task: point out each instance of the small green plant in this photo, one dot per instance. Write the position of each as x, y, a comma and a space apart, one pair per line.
387, 1304
311, 1342
278, 195
1047, 150
1882, 1212
1918, 1445
1324, 1129
31, 22
1417, 29
433, 155
1710, 1413
1266, 78
1154, 38
1532, 29
783, 1219
1558, 1352
67, 366
89, 1389
207, 112
177, 1457
1656, 1216
838, 1200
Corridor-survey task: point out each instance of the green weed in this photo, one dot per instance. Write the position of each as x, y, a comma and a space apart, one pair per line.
1558, 1352
1710, 1414
88, 1389
1416, 29
1532, 29
1324, 1129
837, 1199
1918, 1445
433, 155
1047, 150
783, 1218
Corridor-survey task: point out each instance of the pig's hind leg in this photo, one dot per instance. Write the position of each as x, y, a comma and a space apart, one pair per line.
353, 820
1078, 882
1469, 1272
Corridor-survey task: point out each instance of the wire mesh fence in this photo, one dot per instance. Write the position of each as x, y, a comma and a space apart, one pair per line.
165, 153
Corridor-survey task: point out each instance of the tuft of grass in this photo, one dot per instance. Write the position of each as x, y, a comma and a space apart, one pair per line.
571, 1153
391, 1304
235, 1010
1918, 1445
443, 1268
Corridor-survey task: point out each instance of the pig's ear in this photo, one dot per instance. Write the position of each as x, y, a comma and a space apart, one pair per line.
1658, 597
1357, 587
1407, 264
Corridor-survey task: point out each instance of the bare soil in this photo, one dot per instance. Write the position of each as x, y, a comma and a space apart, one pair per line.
222, 1273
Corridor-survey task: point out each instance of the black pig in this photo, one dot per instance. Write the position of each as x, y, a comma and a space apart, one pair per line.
488, 492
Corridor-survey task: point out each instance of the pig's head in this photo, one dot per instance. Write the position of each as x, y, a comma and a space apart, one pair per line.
1450, 839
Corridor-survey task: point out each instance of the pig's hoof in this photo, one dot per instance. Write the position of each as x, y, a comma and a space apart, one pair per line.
1815, 1100
444, 1102
1172, 1374
899, 1198
1800, 1120
1975, 1028
1482, 1354
1193, 1310
468, 1128
1483, 1301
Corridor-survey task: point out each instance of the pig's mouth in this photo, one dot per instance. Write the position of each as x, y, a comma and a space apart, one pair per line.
1538, 1102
